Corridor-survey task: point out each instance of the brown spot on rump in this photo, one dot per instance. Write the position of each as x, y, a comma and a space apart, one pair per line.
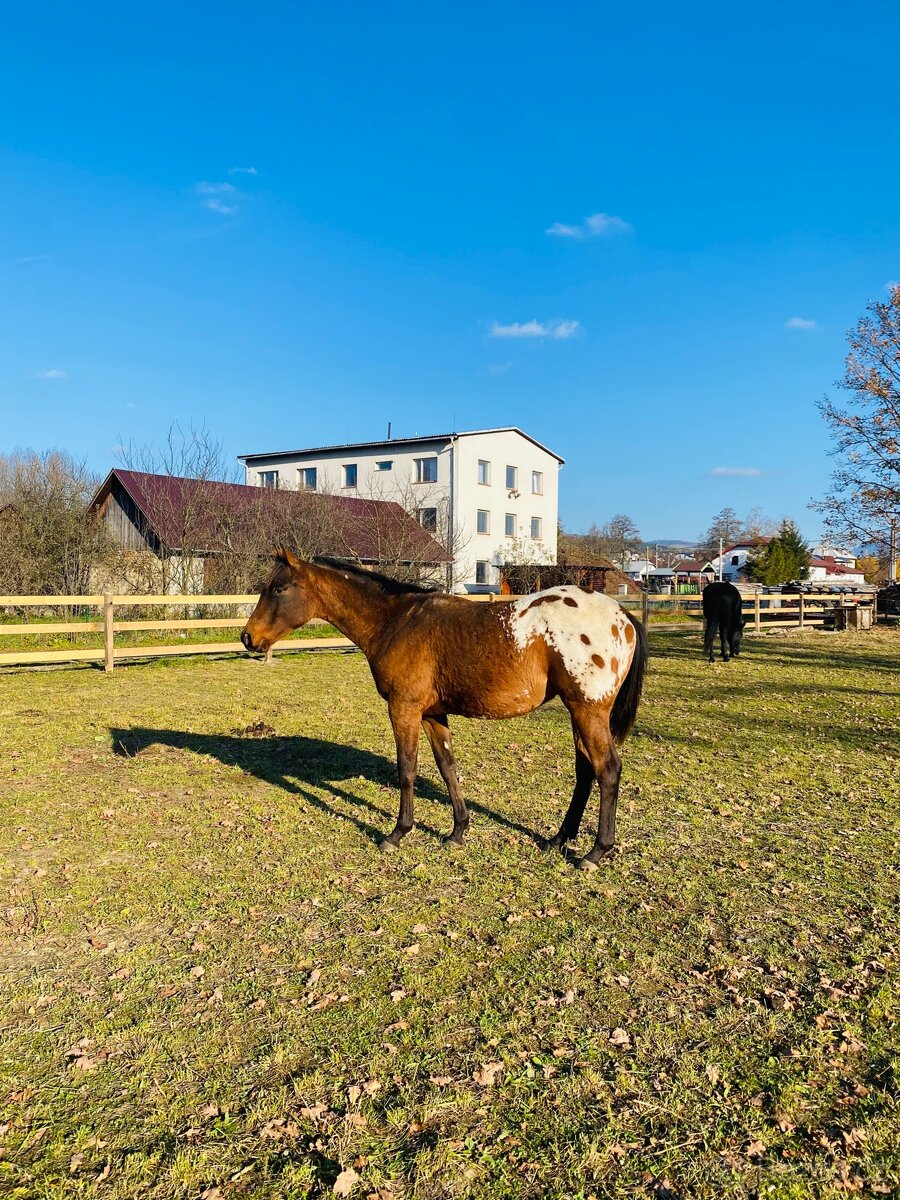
629, 633
615, 632
598, 661
585, 639
542, 600
614, 663
571, 603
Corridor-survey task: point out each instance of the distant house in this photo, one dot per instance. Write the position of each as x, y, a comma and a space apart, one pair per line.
829, 569
685, 576
827, 551
492, 493
734, 558
193, 522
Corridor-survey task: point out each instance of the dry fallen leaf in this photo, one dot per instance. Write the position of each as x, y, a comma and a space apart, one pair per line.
345, 1182
486, 1074
353, 1093
397, 994
619, 1037
371, 1086
440, 1080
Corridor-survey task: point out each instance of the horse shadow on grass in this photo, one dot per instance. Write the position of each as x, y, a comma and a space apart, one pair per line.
298, 765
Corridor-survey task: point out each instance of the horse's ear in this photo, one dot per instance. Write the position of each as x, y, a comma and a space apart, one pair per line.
285, 555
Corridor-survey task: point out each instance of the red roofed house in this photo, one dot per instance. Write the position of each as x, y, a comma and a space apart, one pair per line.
175, 534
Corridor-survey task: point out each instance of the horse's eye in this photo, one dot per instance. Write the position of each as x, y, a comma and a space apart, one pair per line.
278, 591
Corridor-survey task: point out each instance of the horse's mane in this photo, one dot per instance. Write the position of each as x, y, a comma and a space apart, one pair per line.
391, 587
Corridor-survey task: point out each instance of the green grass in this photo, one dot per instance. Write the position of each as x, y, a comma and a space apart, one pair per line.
212, 984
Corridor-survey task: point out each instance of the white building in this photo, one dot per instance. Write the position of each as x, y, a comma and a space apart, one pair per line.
492, 495
731, 565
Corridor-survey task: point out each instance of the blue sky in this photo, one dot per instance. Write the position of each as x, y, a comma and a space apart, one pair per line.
296, 223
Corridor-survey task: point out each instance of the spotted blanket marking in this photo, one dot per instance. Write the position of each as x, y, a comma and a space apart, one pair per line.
589, 630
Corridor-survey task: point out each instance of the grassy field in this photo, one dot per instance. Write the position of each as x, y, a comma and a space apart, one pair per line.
213, 985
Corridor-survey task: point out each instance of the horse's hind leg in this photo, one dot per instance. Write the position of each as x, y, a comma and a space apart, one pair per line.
584, 781
406, 734
592, 723
709, 637
723, 639
437, 730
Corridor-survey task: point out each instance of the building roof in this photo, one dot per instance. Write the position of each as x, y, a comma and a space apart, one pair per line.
692, 565
832, 567
747, 544
407, 441
368, 530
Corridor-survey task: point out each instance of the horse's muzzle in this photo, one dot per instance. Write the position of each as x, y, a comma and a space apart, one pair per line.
247, 640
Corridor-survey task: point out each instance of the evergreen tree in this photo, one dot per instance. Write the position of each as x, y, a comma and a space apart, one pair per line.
785, 558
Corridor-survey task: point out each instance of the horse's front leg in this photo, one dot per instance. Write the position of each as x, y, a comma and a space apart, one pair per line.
437, 730
405, 722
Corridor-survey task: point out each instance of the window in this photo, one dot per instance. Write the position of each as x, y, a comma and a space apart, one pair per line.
268, 479
307, 479
484, 471
537, 483
350, 475
426, 470
734, 560
386, 464
427, 518
509, 525
536, 528
481, 571
512, 478
483, 521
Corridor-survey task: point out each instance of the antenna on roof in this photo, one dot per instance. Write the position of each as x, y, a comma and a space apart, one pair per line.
389, 431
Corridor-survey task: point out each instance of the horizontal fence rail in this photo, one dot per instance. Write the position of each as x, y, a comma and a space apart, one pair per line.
768, 610
797, 610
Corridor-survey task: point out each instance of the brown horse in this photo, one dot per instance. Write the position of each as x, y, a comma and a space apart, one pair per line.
432, 655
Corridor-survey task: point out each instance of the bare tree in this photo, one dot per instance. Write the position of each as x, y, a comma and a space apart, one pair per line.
863, 506
48, 542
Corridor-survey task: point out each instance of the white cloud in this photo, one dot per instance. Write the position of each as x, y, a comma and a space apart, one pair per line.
206, 188
53, 373
799, 323
498, 368
242, 171
596, 225
558, 330
29, 258
220, 206
745, 472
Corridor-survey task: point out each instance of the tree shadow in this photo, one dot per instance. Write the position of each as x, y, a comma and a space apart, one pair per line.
298, 764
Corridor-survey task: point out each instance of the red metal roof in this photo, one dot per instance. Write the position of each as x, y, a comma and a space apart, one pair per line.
353, 527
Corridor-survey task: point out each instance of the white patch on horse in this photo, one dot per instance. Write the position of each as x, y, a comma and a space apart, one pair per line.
564, 617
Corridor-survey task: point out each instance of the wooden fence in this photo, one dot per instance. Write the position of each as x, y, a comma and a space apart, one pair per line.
797, 610
768, 610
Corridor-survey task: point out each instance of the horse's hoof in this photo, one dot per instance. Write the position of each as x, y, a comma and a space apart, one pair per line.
587, 866
386, 846
452, 843
548, 844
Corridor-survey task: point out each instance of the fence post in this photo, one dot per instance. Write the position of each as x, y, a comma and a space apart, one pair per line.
756, 617
801, 610
645, 610
107, 633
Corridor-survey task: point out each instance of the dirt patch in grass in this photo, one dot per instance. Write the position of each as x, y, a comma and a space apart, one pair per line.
213, 985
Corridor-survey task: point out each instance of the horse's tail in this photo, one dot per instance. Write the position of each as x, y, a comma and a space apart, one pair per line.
628, 697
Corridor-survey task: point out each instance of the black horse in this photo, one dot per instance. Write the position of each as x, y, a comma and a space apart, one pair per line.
722, 611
